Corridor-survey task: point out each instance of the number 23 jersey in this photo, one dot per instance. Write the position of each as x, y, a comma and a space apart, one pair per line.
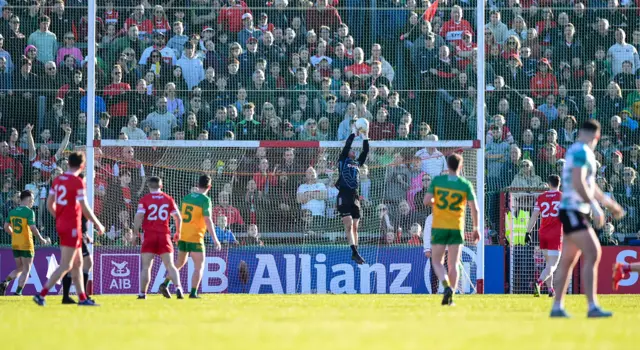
450, 194
548, 205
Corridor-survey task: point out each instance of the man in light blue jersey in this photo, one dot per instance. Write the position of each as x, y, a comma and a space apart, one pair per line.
581, 197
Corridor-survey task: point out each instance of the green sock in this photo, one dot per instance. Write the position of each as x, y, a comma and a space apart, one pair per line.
167, 281
19, 290
445, 283
194, 292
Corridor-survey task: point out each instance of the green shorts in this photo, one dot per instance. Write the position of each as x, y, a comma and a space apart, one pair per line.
445, 236
189, 247
23, 254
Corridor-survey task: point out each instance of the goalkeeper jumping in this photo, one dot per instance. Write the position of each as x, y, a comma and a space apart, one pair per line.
348, 183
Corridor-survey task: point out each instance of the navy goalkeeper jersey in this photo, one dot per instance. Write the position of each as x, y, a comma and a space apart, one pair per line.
349, 169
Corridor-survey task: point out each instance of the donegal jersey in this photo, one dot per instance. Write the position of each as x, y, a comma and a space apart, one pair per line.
450, 194
20, 219
194, 208
579, 155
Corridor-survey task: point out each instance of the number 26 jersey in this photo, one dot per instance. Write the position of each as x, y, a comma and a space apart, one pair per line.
450, 194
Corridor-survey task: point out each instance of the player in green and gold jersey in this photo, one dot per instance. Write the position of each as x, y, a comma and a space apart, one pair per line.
449, 194
196, 221
21, 225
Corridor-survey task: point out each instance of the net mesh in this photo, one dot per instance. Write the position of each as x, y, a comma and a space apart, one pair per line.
526, 260
259, 186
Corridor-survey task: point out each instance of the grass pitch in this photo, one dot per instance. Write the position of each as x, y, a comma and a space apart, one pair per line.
328, 322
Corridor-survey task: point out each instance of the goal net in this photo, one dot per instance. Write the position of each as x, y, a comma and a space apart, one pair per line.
274, 207
526, 259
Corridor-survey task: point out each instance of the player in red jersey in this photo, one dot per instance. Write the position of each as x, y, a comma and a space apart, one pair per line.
550, 232
66, 202
153, 215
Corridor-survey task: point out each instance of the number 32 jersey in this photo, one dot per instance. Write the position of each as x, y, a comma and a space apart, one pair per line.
548, 204
157, 208
450, 194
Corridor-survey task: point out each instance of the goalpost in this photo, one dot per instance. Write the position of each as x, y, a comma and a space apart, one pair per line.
301, 247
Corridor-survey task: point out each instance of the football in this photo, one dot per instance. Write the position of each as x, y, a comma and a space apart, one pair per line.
362, 124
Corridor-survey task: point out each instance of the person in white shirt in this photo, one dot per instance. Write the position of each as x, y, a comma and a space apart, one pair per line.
312, 194
433, 161
132, 130
621, 52
192, 67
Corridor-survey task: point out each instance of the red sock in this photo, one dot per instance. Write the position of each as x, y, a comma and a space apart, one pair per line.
540, 283
44, 292
82, 296
626, 268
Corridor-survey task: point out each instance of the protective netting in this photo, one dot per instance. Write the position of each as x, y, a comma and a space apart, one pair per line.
256, 190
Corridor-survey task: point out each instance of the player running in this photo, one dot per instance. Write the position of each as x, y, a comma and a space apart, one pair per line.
449, 194
196, 214
550, 232
348, 200
67, 203
21, 225
580, 195
621, 271
153, 214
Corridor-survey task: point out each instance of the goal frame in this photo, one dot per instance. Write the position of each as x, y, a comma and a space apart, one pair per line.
470, 145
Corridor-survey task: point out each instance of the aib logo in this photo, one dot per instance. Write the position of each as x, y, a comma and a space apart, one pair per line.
119, 273
120, 269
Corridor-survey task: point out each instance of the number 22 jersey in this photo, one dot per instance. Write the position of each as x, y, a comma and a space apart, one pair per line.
450, 194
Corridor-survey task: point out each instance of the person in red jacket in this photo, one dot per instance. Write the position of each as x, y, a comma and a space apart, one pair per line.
544, 82
452, 29
230, 18
323, 14
9, 163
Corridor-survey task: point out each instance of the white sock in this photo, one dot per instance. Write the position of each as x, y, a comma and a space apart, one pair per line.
557, 305
592, 305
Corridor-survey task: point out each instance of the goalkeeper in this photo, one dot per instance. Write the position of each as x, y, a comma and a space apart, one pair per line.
348, 200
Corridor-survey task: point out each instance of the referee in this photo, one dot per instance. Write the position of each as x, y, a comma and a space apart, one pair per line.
348, 183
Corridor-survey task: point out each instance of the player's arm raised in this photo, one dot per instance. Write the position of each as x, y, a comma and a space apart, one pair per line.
64, 143
365, 147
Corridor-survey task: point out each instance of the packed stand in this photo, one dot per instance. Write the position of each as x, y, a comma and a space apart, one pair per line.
226, 70
553, 66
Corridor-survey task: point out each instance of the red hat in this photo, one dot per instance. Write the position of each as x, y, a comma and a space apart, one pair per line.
618, 153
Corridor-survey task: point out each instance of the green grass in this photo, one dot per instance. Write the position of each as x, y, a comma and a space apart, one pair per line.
355, 322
